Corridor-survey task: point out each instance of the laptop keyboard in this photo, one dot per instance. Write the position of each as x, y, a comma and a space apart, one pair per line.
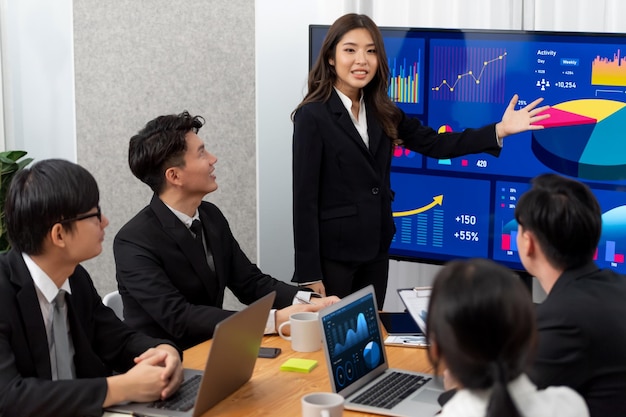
390, 390
183, 399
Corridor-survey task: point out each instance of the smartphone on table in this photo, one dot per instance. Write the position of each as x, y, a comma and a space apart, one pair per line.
269, 352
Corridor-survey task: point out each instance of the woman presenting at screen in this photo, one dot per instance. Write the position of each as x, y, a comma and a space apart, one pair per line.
344, 133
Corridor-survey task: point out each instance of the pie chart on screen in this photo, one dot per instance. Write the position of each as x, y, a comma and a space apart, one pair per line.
584, 138
371, 354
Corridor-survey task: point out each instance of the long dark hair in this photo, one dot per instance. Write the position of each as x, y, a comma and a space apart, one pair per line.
481, 320
323, 76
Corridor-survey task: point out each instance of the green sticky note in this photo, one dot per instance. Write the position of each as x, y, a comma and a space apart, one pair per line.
298, 365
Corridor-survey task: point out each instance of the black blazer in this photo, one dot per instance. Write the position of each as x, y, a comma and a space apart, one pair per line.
582, 338
164, 282
341, 189
101, 342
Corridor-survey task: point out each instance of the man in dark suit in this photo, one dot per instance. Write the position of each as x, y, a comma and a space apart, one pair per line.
58, 343
172, 285
582, 331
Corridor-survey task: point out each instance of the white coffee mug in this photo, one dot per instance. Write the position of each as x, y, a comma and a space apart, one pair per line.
322, 404
305, 332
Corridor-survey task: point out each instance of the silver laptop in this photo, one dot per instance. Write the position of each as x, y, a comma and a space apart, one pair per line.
357, 362
231, 360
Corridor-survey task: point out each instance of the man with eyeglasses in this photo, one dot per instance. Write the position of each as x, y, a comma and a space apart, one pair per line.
59, 345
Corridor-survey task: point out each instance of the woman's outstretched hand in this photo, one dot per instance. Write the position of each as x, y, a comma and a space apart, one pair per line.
516, 121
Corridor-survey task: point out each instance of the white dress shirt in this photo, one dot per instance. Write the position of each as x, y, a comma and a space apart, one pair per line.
47, 290
361, 122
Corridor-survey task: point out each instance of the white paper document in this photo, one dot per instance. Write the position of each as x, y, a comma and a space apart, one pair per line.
416, 302
406, 341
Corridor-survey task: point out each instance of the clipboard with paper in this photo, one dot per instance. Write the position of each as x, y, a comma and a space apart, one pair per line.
416, 301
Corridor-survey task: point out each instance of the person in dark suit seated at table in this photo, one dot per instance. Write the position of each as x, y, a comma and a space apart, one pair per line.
58, 343
173, 285
481, 325
582, 325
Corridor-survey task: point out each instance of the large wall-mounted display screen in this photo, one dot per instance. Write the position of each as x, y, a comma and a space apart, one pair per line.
454, 79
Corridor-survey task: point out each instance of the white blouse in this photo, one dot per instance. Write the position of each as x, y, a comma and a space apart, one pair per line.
531, 402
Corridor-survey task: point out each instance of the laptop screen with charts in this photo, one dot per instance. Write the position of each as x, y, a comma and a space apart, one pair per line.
356, 360
230, 364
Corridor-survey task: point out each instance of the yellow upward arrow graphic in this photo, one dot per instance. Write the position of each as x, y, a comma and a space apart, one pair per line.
437, 201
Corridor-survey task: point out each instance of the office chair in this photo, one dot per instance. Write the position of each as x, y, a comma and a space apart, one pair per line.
113, 300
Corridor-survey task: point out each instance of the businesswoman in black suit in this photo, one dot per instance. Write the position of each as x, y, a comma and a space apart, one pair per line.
344, 133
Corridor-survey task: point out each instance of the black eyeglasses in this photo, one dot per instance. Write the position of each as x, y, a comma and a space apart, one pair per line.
97, 214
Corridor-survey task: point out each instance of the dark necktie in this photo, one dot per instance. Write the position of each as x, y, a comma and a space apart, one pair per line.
60, 338
196, 229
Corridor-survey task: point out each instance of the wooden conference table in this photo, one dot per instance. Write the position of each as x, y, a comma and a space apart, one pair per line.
276, 393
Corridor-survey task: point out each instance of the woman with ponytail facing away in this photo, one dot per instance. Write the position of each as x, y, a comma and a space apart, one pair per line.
481, 329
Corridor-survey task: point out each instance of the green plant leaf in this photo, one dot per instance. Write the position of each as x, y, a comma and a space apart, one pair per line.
10, 163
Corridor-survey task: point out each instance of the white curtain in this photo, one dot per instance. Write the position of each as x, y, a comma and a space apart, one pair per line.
575, 15
475, 14
38, 77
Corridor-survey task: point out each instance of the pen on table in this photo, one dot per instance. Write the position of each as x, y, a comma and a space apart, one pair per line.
303, 300
412, 339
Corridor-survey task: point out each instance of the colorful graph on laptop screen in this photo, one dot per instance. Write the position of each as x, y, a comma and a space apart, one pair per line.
455, 79
353, 339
